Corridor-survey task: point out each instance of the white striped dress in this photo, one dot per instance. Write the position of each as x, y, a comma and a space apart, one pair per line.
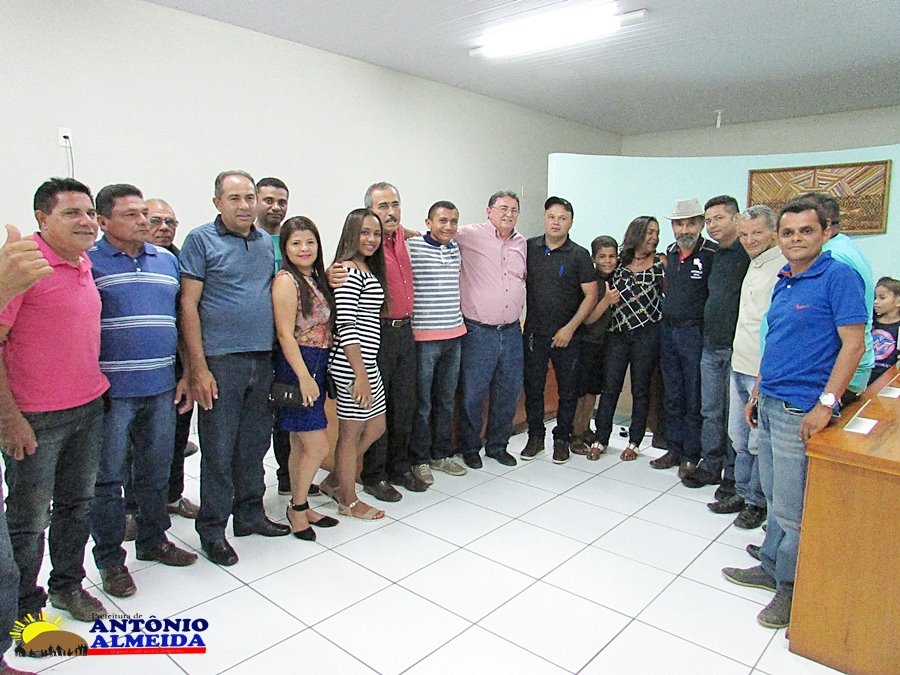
357, 321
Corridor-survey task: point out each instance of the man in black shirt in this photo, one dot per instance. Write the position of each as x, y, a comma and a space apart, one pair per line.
719, 321
560, 292
689, 262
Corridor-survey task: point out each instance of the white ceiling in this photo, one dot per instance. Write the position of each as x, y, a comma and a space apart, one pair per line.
755, 59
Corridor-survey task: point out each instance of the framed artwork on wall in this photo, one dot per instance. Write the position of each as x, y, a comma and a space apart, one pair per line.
861, 189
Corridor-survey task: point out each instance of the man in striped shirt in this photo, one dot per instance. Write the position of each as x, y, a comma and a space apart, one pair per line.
138, 283
437, 330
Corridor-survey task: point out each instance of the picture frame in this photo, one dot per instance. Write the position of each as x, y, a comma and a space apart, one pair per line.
861, 189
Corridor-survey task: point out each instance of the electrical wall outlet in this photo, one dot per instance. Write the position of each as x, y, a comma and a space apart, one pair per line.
65, 137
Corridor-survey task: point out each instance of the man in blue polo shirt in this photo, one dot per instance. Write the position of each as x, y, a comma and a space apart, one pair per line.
816, 337
138, 283
226, 311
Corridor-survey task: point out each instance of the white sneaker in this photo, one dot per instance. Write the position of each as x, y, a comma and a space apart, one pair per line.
423, 473
448, 466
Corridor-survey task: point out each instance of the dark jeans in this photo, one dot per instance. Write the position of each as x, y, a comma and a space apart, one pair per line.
638, 348
538, 353
176, 470
146, 426
388, 457
681, 348
9, 582
715, 381
491, 363
234, 436
62, 471
438, 374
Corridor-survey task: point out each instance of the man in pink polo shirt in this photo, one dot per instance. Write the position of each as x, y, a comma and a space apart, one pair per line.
51, 407
492, 294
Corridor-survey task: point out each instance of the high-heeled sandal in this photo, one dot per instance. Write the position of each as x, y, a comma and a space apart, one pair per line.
308, 534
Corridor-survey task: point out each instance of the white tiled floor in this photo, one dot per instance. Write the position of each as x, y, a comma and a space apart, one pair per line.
594, 567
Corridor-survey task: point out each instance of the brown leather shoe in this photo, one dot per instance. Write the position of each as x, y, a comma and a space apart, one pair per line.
667, 461
169, 554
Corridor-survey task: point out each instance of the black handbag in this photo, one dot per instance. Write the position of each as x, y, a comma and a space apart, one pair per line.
283, 395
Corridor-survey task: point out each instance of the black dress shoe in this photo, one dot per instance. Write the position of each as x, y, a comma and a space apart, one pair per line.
383, 491
725, 490
753, 550
472, 460
411, 482
699, 477
221, 553
265, 528
732, 504
751, 517
503, 457
667, 461
686, 469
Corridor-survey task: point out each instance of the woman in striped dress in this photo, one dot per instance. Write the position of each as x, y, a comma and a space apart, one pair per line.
360, 392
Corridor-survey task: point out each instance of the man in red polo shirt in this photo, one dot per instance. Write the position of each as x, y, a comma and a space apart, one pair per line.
386, 462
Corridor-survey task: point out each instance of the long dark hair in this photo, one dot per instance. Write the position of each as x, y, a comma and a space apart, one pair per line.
634, 237
348, 246
304, 224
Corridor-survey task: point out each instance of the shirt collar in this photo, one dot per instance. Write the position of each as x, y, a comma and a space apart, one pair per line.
566, 245
107, 248
766, 256
53, 258
816, 269
434, 242
222, 230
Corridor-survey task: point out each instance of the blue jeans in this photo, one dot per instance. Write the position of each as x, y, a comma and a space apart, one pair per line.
715, 377
744, 441
538, 353
782, 471
491, 363
9, 581
62, 470
235, 436
638, 348
681, 349
145, 426
438, 373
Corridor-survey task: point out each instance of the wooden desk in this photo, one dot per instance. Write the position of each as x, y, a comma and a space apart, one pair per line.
846, 610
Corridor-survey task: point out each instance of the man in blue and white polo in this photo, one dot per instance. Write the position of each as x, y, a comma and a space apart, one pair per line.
138, 283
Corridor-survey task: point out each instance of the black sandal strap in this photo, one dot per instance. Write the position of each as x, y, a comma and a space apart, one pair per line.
299, 507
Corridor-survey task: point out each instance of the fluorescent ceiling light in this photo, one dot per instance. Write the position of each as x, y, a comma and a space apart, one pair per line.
556, 29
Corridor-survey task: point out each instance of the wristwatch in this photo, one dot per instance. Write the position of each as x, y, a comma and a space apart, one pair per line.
827, 399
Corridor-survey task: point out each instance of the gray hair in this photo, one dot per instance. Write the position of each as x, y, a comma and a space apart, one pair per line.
503, 193
231, 172
761, 211
367, 200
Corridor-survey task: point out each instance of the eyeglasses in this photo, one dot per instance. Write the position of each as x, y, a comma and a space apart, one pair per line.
505, 209
156, 221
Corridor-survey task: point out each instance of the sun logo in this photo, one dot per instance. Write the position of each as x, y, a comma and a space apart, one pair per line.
38, 637
28, 628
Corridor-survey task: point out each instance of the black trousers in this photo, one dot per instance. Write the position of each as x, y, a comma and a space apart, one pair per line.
389, 456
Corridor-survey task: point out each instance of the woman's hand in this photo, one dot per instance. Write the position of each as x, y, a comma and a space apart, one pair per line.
362, 393
309, 390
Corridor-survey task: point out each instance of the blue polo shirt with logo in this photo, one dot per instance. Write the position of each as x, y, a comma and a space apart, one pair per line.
138, 337
803, 342
236, 303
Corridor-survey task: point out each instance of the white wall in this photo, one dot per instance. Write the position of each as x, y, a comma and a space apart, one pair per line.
839, 131
166, 100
